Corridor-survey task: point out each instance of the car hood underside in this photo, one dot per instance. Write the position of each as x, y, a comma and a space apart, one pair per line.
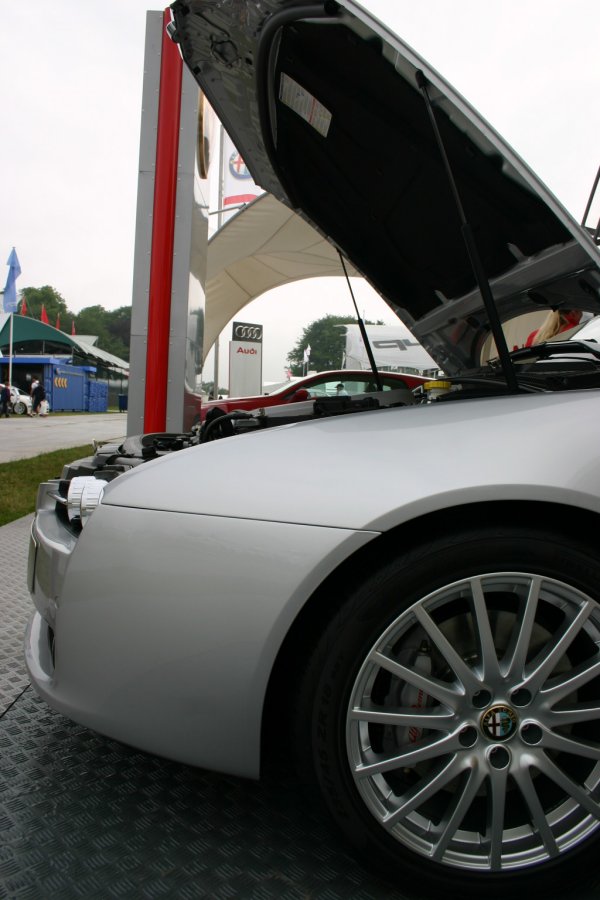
337, 118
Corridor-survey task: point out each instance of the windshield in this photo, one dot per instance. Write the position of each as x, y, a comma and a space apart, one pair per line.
281, 388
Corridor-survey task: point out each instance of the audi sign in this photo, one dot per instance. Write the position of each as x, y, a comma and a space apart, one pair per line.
244, 331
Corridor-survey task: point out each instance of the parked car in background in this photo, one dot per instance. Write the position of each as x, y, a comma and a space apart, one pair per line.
320, 384
403, 600
20, 402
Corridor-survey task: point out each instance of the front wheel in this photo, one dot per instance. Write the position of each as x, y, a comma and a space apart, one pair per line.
453, 707
19, 408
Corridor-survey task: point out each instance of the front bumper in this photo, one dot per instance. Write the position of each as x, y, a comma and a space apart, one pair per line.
160, 629
51, 544
39, 655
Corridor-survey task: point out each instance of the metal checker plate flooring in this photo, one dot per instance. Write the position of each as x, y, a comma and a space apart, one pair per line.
82, 816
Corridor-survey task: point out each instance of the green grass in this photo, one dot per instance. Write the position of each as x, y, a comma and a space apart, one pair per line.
19, 480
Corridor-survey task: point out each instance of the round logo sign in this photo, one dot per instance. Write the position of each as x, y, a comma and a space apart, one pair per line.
499, 723
237, 166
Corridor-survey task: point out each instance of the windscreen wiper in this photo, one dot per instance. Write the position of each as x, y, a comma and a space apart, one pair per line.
557, 348
471, 246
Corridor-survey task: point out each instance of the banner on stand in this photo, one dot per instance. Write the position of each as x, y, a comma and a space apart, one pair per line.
245, 360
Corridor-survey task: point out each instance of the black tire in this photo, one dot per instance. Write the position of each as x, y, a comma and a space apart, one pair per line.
19, 408
472, 616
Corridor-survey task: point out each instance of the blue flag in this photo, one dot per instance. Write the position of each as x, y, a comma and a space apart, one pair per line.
10, 290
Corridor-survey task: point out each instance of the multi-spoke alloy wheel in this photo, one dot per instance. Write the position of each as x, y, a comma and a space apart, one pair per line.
473, 722
457, 719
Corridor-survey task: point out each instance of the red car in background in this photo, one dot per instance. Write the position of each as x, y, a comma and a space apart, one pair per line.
321, 384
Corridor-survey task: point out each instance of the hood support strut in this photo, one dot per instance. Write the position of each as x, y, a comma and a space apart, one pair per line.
471, 246
363, 330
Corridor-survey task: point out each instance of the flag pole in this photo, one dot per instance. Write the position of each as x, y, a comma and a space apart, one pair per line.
10, 350
9, 302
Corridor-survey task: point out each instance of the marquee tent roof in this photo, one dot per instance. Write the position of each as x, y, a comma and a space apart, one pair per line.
264, 246
26, 329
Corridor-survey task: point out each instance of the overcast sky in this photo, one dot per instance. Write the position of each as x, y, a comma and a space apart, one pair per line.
70, 96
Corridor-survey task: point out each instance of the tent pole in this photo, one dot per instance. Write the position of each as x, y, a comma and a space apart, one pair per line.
220, 210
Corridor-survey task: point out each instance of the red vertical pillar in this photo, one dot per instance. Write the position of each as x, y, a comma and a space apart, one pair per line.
163, 233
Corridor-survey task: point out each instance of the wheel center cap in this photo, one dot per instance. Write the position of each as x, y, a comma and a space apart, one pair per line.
499, 722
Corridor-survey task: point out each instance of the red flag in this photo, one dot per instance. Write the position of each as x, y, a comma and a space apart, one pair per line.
58, 321
73, 326
44, 316
23, 306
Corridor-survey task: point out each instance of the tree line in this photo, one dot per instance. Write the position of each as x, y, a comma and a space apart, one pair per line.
112, 326
327, 343
325, 338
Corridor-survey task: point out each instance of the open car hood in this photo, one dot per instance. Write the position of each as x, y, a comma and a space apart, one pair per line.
330, 111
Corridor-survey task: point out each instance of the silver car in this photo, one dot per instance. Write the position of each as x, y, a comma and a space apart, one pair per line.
404, 599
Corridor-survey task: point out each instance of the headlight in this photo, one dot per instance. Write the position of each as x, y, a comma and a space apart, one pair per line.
85, 494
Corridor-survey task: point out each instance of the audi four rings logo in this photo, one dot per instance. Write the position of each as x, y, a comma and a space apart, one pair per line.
243, 331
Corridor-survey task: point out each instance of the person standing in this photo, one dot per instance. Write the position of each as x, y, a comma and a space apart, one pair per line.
557, 321
4, 400
38, 393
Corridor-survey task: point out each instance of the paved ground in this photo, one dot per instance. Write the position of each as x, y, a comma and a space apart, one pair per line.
22, 437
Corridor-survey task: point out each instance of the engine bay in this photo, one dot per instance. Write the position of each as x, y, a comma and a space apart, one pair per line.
556, 366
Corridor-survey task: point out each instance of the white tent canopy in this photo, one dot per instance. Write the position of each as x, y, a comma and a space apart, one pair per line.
264, 246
